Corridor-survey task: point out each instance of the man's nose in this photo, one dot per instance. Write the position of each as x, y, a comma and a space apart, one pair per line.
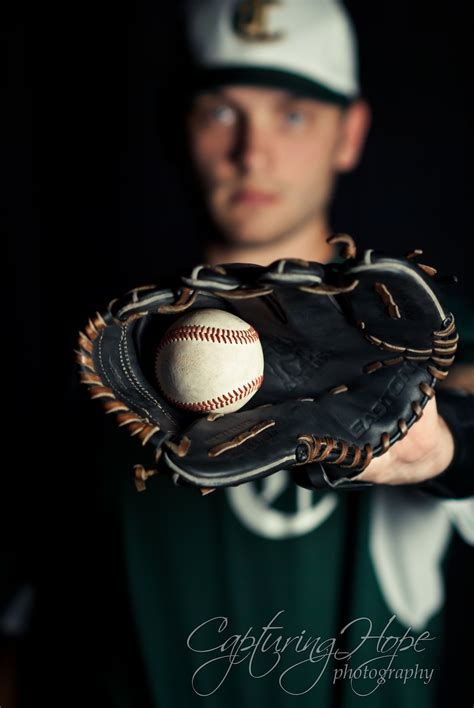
252, 147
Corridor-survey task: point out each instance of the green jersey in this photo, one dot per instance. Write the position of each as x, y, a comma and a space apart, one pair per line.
270, 595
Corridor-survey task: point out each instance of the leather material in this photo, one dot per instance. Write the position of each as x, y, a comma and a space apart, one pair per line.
352, 352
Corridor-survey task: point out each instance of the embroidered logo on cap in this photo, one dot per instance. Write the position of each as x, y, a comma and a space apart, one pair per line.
250, 20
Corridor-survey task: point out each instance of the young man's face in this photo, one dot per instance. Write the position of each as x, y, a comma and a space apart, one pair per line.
267, 159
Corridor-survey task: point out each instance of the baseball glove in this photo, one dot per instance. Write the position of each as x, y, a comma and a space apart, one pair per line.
352, 350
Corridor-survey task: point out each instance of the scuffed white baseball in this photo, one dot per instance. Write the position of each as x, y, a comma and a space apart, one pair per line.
210, 361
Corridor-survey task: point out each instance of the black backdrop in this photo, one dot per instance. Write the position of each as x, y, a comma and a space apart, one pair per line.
97, 203
115, 205
111, 203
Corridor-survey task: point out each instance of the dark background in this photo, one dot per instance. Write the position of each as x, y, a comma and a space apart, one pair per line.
106, 202
97, 201
116, 204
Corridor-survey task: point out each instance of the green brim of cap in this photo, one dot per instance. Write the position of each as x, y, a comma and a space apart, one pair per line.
205, 78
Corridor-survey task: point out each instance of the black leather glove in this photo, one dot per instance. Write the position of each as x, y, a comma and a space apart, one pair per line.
352, 354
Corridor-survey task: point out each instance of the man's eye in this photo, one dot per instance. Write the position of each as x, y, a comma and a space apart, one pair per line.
294, 117
222, 114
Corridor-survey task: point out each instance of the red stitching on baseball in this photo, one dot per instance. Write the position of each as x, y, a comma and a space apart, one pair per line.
220, 401
215, 334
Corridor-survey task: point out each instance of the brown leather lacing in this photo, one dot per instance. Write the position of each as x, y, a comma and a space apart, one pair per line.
388, 300
320, 449
350, 456
349, 246
411, 255
238, 293
141, 475
139, 289
185, 299
137, 426
349, 250
436, 354
325, 289
179, 448
429, 270
339, 389
241, 438
133, 317
243, 293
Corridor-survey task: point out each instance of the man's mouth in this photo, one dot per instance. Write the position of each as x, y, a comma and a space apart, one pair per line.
252, 196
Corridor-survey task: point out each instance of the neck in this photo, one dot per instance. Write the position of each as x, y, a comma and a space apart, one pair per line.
308, 243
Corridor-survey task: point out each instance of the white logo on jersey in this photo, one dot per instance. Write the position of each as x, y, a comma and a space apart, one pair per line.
253, 507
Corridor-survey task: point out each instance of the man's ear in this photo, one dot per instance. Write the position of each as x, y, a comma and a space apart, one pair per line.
356, 124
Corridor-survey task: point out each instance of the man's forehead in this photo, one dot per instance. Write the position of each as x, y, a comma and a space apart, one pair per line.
244, 93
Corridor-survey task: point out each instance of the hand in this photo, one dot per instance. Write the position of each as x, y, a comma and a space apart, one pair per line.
352, 353
422, 454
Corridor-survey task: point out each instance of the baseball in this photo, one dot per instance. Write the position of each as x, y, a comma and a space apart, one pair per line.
210, 361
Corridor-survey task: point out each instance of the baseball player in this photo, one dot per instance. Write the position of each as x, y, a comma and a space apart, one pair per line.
309, 586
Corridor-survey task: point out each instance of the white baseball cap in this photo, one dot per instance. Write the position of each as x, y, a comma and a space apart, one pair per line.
308, 46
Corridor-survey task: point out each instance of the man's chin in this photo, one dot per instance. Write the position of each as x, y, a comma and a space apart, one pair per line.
250, 240
249, 235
